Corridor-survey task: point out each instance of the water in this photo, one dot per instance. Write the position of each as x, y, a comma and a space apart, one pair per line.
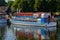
9, 34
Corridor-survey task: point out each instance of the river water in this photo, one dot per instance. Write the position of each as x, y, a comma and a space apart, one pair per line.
9, 34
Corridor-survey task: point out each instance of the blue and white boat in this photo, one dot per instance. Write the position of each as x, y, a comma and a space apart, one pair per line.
31, 24
25, 22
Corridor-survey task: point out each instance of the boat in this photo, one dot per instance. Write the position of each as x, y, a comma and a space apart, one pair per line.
25, 19
31, 23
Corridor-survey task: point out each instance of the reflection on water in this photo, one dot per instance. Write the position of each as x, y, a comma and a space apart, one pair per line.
9, 34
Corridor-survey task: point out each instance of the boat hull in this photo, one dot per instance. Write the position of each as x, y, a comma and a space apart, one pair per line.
14, 22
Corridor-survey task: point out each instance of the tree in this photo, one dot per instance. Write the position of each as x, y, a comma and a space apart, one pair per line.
37, 2
35, 5
17, 4
53, 6
25, 6
31, 5
58, 6
2, 2
43, 6
10, 3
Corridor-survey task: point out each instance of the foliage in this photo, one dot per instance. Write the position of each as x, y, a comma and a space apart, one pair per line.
10, 3
2, 2
58, 5
43, 6
36, 5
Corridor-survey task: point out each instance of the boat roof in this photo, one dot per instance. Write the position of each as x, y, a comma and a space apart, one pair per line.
27, 14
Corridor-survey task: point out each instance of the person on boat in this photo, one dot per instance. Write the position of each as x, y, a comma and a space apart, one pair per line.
49, 19
44, 17
8, 16
53, 17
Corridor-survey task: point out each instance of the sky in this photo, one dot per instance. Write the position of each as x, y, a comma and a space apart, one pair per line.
9, 0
